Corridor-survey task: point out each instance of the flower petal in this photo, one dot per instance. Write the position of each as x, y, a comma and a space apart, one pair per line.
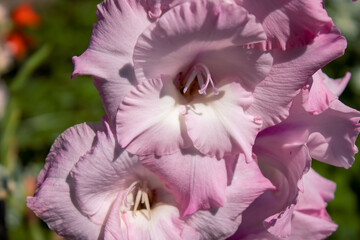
114, 230
53, 200
193, 32
283, 162
317, 191
330, 136
147, 112
247, 184
336, 86
309, 227
292, 161
317, 97
111, 170
290, 72
217, 125
310, 219
245, 66
196, 181
323, 90
109, 56
289, 23
164, 224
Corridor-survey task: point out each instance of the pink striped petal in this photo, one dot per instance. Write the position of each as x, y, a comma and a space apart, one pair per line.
148, 120
218, 125
53, 200
196, 181
205, 32
247, 184
290, 72
289, 23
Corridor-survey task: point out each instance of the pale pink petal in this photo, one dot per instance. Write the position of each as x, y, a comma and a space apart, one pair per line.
310, 219
316, 95
279, 224
247, 184
206, 32
164, 224
321, 91
114, 229
290, 72
304, 226
336, 86
196, 181
284, 163
309, 227
110, 169
317, 191
67, 149
109, 56
245, 66
190, 233
306, 218
217, 124
148, 120
53, 201
264, 235
289, 163
289, 23
330, 136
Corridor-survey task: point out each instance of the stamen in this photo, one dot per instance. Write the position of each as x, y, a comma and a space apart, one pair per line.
200, 80
190, 80
208, 79
200, 71
137, 201
145, 199
128, 191
142, 196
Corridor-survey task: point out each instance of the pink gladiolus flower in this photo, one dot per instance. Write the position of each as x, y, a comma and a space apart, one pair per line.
204, 75
319, 126
201, 95
90, 188
305, 219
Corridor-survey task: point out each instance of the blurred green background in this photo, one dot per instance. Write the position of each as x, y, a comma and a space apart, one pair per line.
44, 101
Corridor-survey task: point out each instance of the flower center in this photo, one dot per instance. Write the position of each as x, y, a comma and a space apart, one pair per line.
201, 74
138, 197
